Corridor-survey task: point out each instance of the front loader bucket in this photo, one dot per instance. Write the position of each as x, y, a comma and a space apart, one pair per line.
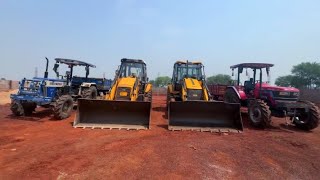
213, 116
112, 114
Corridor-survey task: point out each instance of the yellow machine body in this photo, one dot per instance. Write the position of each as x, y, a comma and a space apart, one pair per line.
126, 106
190, 106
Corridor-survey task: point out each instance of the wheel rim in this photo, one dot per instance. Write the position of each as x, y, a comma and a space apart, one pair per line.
255, 114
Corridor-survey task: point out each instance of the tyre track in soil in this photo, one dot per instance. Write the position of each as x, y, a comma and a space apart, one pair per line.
38, 147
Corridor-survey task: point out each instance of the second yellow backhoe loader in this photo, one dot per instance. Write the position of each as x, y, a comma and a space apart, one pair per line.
126, 106
190, 105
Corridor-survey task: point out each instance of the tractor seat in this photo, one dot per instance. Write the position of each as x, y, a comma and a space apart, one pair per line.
248, 86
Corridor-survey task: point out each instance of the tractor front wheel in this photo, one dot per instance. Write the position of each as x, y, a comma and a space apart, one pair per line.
309, 120
259, 114
90, 93
16, 108
62, 108
21, 109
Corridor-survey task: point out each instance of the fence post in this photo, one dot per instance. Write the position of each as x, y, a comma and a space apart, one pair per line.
10, 84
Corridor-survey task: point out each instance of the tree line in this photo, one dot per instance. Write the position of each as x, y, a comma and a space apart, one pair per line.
303, 75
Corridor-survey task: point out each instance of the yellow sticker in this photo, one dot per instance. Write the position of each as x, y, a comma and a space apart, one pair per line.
123, 93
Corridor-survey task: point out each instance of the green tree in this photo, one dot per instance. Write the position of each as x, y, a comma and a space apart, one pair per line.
290, 80
162, 81
308, 73
285, 81
219, 79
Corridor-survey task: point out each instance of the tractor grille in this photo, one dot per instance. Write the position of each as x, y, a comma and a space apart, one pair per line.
194, 94
123, 93
284, 95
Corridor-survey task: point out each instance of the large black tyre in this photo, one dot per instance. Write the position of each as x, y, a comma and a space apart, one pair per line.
16, 108
62, 108
21, 109
230, 96
29, 108
259, 114
309, 120
90, 93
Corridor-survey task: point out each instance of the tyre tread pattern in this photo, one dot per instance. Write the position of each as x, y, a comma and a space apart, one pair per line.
87, 93
265, 114
58, 105
314, 118
17, 108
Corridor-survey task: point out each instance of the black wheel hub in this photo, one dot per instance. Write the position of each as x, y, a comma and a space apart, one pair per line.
255, 114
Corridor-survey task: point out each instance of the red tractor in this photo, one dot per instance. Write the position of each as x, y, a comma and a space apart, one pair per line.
264, 100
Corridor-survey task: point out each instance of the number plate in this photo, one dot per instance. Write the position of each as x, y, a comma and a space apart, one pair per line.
195, 95
123, 93
284, 93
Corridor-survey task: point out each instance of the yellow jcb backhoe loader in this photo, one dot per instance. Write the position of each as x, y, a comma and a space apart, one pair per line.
190, 105
126, 106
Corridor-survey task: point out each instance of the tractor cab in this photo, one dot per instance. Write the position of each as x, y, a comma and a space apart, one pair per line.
253, 86
71, 64
256, 88
133, 68
182, 70
130, 74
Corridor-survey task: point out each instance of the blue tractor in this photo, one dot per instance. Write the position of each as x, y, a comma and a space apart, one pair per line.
59, 94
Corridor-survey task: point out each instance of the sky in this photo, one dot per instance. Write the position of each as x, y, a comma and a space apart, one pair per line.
218, 33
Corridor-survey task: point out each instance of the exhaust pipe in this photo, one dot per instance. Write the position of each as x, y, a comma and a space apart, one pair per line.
46, 72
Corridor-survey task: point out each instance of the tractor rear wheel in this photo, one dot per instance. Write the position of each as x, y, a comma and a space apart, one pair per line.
230, 96
62, 108
90, 93
310, 120
259, 114
16, 108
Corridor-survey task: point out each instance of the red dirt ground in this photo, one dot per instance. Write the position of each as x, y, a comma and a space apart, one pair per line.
39, 148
